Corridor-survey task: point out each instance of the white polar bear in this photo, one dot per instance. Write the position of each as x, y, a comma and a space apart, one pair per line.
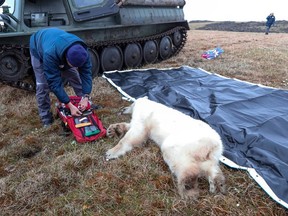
190, 147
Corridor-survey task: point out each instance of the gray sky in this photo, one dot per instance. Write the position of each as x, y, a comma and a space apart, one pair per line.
233, 10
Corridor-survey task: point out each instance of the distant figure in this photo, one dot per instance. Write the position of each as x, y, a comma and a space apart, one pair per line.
270, 21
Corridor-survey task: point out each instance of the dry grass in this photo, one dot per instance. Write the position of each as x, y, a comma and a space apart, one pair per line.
45, 173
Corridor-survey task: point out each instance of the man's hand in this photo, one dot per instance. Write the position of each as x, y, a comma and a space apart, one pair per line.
83, 104
74, 110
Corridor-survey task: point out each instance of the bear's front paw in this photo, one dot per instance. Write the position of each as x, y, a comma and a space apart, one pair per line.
117, 130
111, 131
110, 155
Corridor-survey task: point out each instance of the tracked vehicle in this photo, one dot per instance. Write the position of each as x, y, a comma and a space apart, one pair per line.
120, 34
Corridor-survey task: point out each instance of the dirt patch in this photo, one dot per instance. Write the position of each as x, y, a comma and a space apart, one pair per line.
44, 172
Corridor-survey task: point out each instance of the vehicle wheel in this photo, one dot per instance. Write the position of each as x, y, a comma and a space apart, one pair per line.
111, 58
95, 62
133, 55
13, 65
150, 52
165, 47
177, 38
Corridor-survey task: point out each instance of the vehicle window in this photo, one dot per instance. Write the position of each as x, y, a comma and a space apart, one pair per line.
8, 6
86, 3
83, 10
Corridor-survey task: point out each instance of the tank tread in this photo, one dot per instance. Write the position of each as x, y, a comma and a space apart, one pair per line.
183, 30
20, 51
94, 45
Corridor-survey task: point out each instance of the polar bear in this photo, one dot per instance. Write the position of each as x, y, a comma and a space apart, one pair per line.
190, 147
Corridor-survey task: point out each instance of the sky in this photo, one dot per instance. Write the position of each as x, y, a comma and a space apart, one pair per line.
235, 10
232, 10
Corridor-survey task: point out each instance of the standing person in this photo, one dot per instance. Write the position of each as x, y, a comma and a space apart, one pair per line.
56, 54
270, 21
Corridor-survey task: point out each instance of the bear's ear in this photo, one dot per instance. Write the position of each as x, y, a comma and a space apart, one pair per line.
126, 110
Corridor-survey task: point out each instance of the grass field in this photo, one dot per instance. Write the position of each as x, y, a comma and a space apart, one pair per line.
43, 172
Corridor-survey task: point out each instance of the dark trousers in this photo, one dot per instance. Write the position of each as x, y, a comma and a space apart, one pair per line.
268, 29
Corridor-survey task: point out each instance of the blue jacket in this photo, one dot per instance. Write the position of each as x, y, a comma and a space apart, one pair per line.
270, 20
49, 46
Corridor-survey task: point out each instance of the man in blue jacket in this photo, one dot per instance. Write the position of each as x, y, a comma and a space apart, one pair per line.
56, 54
270, 21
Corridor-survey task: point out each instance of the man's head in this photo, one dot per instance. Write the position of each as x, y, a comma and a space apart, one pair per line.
76, 55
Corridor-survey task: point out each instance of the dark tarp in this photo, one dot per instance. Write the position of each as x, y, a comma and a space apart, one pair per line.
251, 119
